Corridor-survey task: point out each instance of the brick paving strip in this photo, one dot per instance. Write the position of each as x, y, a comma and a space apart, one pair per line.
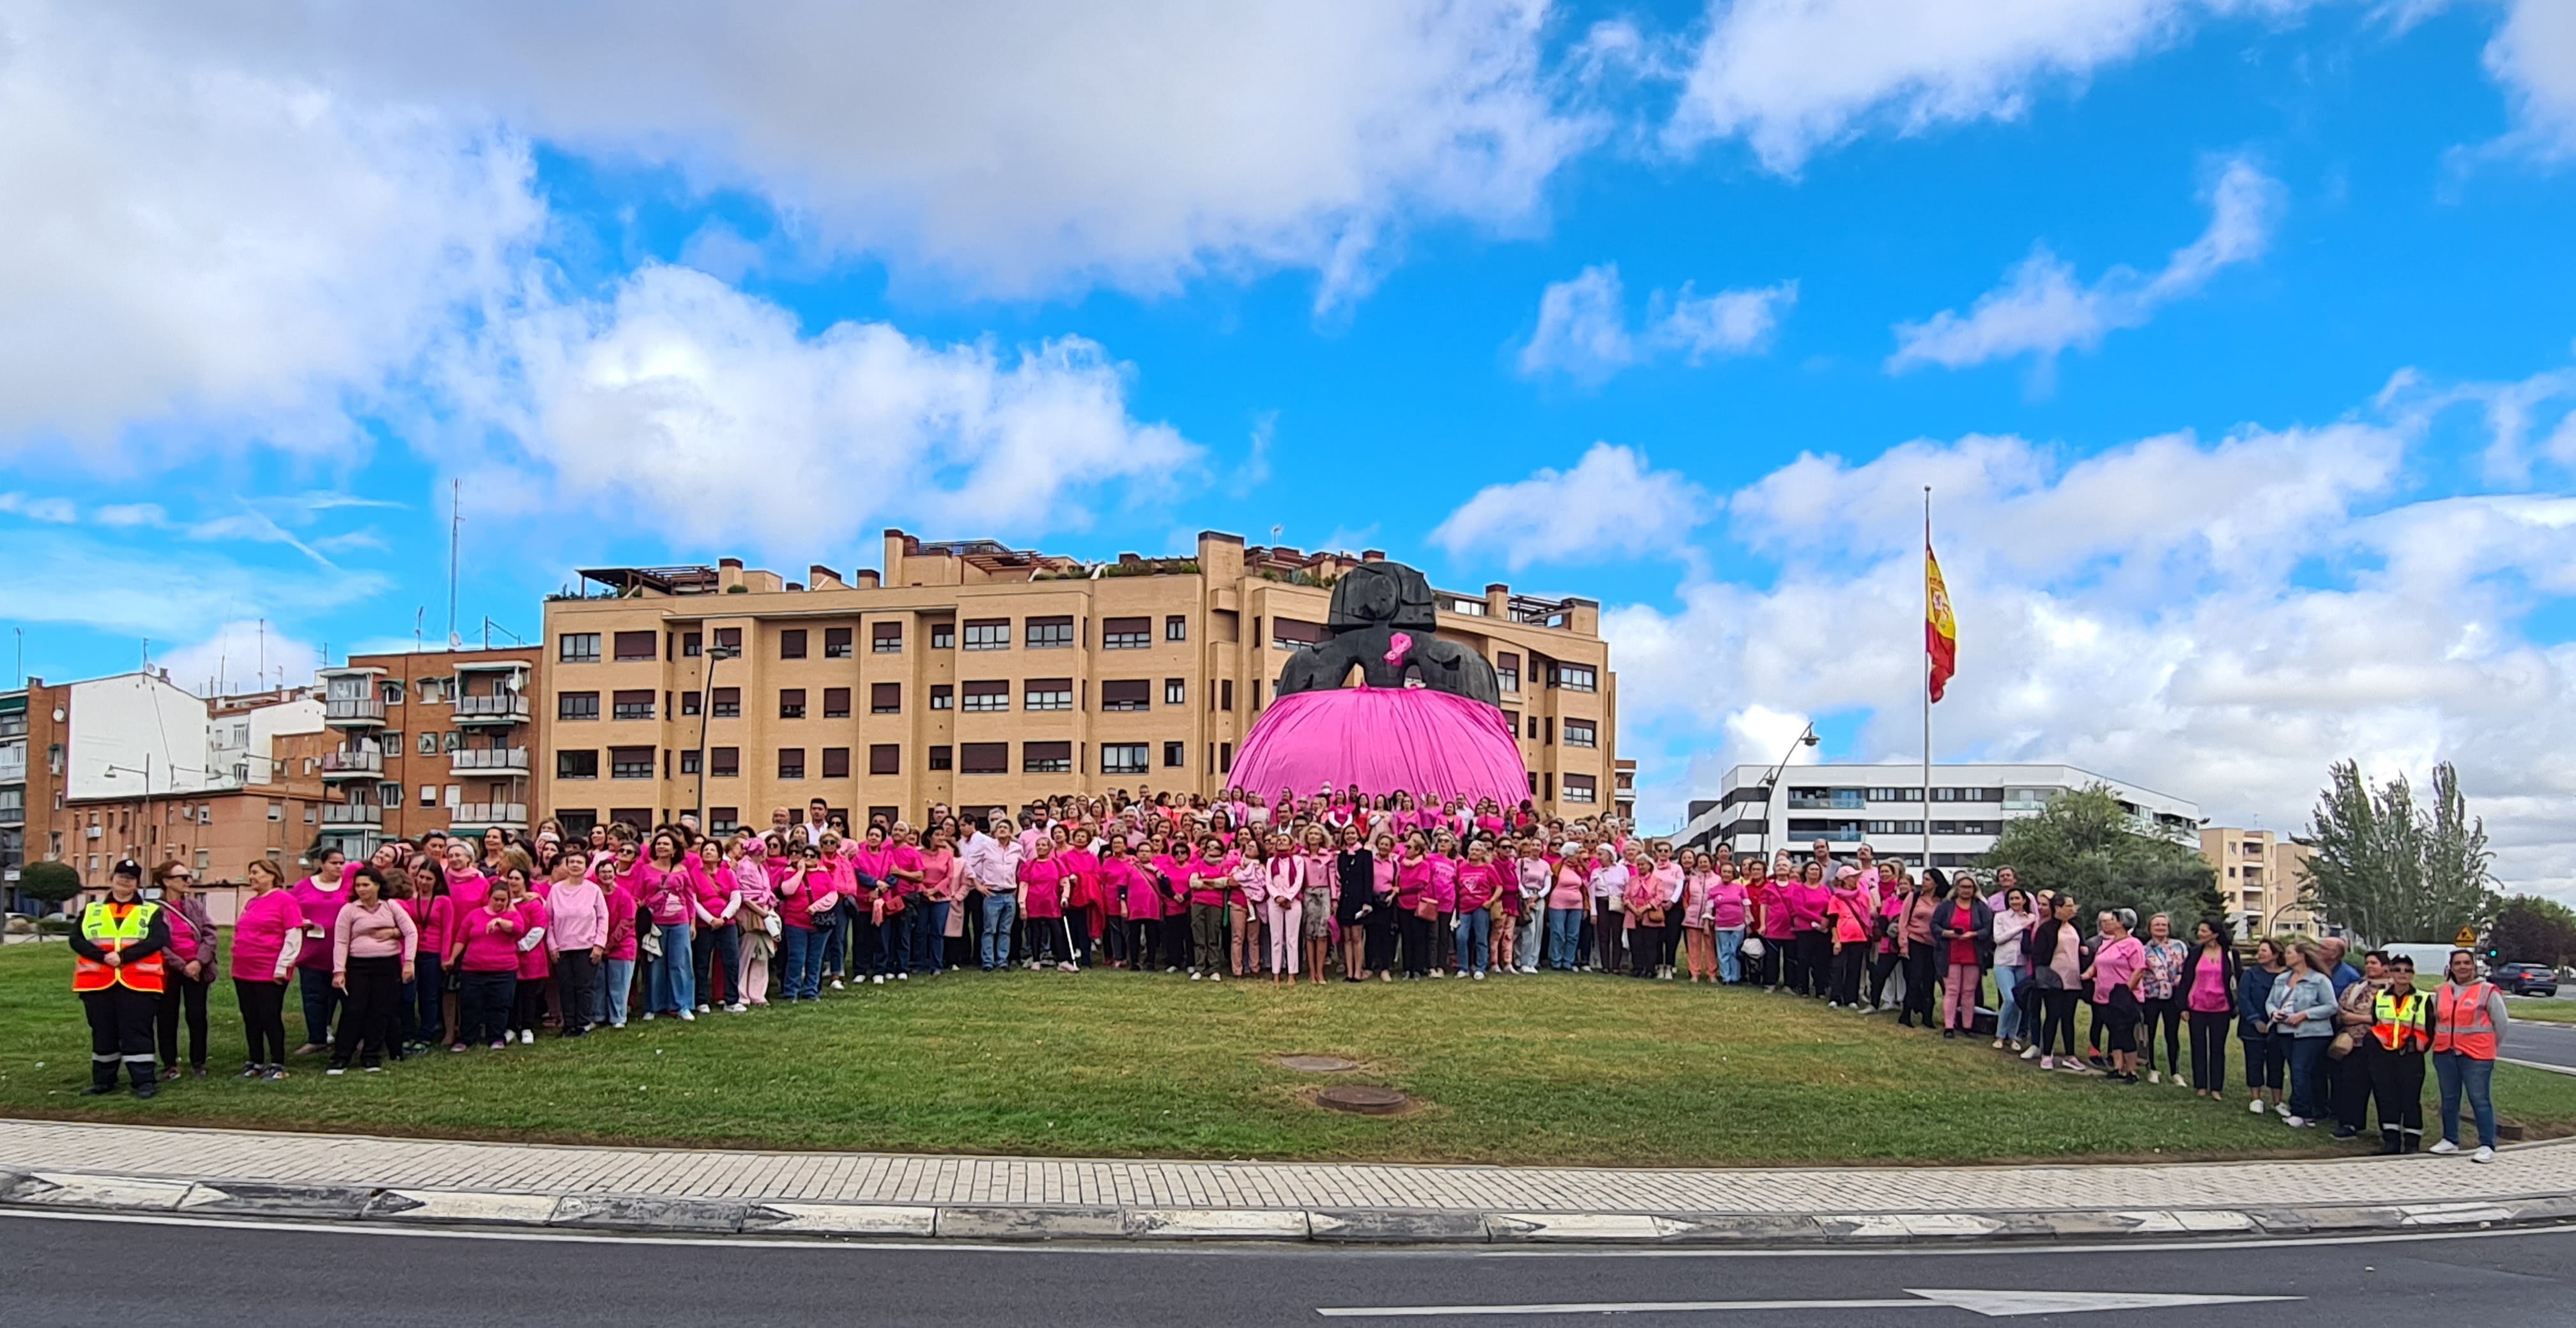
138, 1168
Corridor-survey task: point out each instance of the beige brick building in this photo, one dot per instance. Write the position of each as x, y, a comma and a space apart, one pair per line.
980, 676
2258, 876
429, 740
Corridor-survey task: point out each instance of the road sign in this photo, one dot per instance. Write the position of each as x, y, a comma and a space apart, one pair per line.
2468, 936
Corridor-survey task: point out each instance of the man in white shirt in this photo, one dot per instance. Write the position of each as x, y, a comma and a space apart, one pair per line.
818, 815
991, 860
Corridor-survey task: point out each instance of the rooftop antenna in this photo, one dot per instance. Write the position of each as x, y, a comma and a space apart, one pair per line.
419, 614
263, 654
455, 527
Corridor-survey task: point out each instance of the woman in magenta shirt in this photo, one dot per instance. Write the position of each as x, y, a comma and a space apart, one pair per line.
268, 935
1210, 878
2119, 966
1730, 910
320, 897
662, 882
489, 958
536, 966
433, 917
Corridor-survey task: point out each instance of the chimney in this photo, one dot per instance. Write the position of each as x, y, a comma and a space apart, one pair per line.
865, 577
1498, 600
823, 578
1372, 555
728, 573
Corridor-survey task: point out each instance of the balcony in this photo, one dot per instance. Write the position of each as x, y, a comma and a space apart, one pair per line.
365, 763
479, 815
354, 712
1840, 802
507, 708
499, 760
352, 814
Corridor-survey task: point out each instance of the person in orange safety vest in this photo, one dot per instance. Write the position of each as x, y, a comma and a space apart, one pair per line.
117, 970
2401, 1031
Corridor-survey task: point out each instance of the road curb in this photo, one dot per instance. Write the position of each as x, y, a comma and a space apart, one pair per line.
67, 1191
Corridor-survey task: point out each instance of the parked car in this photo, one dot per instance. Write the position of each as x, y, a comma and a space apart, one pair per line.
2525, 979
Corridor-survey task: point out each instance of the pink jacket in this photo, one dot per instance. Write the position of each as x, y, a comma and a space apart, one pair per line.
359, 933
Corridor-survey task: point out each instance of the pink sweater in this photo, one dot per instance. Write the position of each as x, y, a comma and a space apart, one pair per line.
580, 914
378, 933
266, 937
491, 940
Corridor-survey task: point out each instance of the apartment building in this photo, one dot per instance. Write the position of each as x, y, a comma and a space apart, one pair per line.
2259, 877
31, 767
980, 676
429, 740
1884, 806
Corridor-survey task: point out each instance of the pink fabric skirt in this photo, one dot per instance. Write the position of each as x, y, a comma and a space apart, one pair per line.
1430, 744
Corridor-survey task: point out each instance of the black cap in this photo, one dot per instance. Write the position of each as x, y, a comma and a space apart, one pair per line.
128, 867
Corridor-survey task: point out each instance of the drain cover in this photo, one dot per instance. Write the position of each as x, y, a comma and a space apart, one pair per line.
1318, 1064
1365, 1100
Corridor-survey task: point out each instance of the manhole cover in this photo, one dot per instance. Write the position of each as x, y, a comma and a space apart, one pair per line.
1361, 1098
1318, 1064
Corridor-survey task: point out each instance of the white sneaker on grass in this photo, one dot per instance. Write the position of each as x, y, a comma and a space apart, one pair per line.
2256, 1106
836, 984
2155, 1076
686, 1016
2030, 1053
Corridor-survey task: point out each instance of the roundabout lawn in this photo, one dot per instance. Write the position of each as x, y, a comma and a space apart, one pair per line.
1576, 1069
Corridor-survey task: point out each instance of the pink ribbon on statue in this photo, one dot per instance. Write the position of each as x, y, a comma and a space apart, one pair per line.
1399, 643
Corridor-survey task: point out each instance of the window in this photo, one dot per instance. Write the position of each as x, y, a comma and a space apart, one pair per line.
940, 759
692, 703
1225, 758
1580, 733
1296, 634
1176, 627
1896, 795
1046, 758
836, 763
1473, 608
1175, 692
631, 705
577, 648
1047, 694
724, 762
942, 696
577, 765
1225, 694
390, 795
884, 758
836, 643
393, 744
1126, 633
988, 696
987, 634
390, 691
1050, 633
1122, 758
791, 643
429, 741
429, 795
1507, 671
630, 762
836, 703
728, 703
569, 705
451, 740
983, 758
1573, 678
791, 703
723, 820
943, 636
729, 638
885, 698
1125, 694
637, 645
1172, 755
688, 761
1533, 728
791, 763
1581, 788
692, 644
886, 638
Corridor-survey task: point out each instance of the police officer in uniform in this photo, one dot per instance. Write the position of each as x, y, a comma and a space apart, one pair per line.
2401, 1030
117, 965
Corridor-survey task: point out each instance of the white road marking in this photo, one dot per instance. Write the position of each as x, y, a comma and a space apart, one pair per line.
1991, 1304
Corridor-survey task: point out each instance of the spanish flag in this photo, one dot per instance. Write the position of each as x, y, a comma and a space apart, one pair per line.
1940, 630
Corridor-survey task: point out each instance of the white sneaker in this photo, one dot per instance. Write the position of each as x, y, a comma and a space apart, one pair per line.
878, 980
1833, 1005
1999, 1044
2445, 1147
2297, 1122
905, 976
1480, 977
527, 1037
2484, 1154
702, 1009
686, 1016
1194, 976
836, 984
1068, 967
2256, 1106
736, 1008
1216, 977
2155, 1076
648, 1016
2030, 1053
2281, 1107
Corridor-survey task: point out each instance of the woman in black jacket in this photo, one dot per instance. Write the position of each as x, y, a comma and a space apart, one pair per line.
1963, 933
2208, 994
1355, 879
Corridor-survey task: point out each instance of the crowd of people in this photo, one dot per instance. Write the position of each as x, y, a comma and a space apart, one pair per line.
482, 942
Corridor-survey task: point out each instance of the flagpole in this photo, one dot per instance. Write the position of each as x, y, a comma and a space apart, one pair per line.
1927, 684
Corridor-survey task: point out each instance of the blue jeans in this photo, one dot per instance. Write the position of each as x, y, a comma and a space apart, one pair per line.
1001, 913
1564, 932
1475, 933
800, 953
2455, 1072
929, 935
321, 1001
2307, 1067
675, 986
2008, 1003
1730, 954
837, 956
608, 1004
424, 1000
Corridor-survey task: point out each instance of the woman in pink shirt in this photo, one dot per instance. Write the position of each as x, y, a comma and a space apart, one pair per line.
466, 883
1283, 907
488, 957
1479, 884
617, 968
433, 918
1082, 901
1210, 880
716, 950
1567, 908
319, 896
758, 921
942, 885
1245, 901
1698, 882
2119, 966
662, 882
372, 947
1315, 927
268, 935
536, 966
577, 935
1044, 880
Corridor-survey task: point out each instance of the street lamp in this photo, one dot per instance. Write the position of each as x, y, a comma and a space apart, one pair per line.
1771, 783
706, 713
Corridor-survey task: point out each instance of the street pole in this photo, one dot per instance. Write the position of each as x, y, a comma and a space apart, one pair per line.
1771, 784
1927, 686
706, 714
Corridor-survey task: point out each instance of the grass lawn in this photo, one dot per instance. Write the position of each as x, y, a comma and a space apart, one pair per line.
1524, 1070
2539, 1011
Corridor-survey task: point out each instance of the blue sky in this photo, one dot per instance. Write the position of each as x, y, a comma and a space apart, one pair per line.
2235, 336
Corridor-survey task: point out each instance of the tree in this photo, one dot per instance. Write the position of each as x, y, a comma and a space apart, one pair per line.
52, 882
2392, 871
2530, 930
2083, 843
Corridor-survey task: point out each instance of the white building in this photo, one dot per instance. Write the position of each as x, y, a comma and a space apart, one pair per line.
138, 734
1884, 807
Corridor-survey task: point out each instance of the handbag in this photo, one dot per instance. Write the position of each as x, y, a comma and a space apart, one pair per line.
1428, 910
769, 922
2344, 1043
1752, 947
1653, 917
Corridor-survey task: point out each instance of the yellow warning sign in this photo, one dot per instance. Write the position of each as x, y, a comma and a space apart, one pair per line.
2467, 936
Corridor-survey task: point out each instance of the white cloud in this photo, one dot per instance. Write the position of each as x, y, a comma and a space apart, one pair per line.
240, 656
706, 415
2219, 619
2042, 310
187, 241
1017, 146
1583, 325
124, 591
128, 515
2534, 56
57, 511
1610, 504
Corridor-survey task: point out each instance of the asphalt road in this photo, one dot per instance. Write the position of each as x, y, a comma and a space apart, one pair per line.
122, 1273
2531, 1040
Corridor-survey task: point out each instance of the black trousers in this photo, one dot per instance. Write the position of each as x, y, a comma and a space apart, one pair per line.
2397, 1082
2161, 1013
1775, 958
1417, 944
2056, 1020
180, 995
120, 1033
1379, 955
528, 1005
1607, 933
1177, 942
263, 1012
2348, 1088
371, 1011
2209, 1034
483, 1006
1644, 946
1922, 973
576, 979
1882, 966
1144, 940
1849, 963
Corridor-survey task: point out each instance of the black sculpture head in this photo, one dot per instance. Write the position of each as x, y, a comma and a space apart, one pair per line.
1373, 605
1382, 594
